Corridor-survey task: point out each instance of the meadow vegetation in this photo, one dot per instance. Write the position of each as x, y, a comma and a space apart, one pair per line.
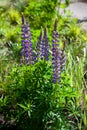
44, 88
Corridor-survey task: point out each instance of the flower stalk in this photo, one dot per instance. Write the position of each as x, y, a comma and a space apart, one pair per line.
38, 47
56, 55
26, 56
63, 57
45, 46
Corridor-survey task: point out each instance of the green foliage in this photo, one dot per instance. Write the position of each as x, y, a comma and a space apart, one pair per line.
27, 94
39, 13
14, 16
32, 98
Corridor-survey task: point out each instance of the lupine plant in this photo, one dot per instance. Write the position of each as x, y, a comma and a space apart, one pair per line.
35, 96
58, 56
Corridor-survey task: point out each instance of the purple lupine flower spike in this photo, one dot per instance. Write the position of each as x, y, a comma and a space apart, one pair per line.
55, 40
56, 66
45, 46
56, 55
22, 58
38, 47
26, 50
63, 57
46, 54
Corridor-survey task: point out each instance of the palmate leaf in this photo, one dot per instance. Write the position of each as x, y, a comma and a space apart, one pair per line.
26, 106
23, 106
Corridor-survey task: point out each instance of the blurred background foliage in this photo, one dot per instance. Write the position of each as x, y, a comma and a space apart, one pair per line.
39, 13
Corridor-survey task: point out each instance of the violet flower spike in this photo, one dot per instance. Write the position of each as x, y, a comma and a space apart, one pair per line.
46, 55
26, 50
22, 58
45, 46
38, 46
57, 67
56, 55
63, 58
